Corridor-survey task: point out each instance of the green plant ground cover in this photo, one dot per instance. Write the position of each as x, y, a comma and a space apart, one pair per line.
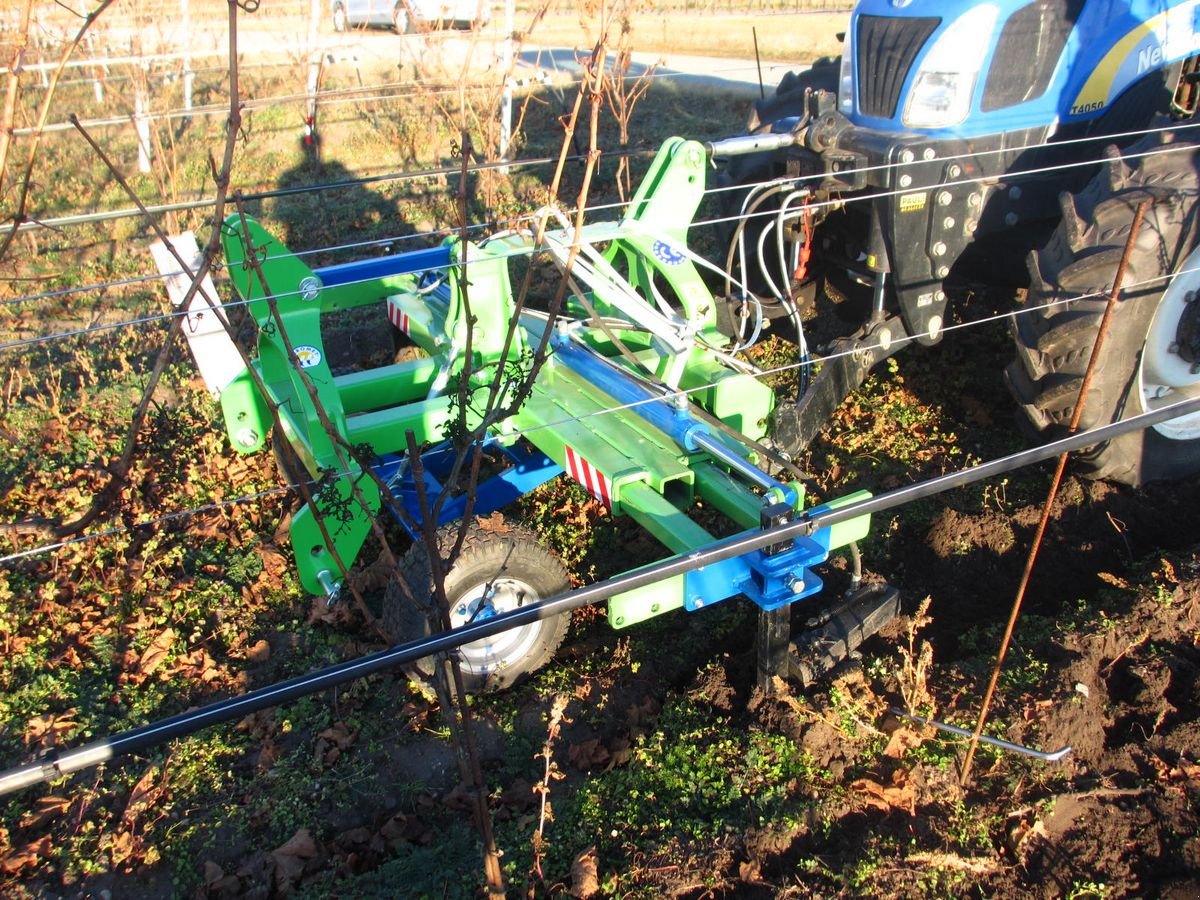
671, 774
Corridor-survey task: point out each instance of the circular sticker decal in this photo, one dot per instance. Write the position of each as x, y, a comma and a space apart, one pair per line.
664, 252
308, 356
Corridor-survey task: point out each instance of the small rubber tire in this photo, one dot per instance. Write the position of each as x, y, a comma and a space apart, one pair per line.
518, 570
339, 18
1054, 342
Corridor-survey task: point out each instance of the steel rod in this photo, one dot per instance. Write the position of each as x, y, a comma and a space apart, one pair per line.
1050, 756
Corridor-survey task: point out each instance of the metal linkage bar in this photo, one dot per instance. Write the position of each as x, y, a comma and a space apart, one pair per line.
55, 765
1044, 756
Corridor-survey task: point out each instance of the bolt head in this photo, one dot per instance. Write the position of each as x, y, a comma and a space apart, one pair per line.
246, 437
310, 288
905, 180
944, 198
906, 156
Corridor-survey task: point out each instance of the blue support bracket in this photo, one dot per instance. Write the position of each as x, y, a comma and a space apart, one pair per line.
527, 468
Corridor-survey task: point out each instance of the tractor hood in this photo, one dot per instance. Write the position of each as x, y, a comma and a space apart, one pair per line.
966, 69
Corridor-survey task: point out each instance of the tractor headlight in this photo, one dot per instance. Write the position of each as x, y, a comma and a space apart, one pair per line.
943, 86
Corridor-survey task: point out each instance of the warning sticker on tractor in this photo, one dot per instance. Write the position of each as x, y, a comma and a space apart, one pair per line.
912, 202
398, 317
589, 476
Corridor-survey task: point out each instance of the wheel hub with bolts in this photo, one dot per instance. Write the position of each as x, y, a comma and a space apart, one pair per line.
484, 601
1170, 369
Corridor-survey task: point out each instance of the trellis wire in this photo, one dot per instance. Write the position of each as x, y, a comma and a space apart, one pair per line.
603, 207
525, 432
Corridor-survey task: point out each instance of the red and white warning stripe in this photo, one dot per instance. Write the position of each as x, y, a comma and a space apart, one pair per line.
398, 317
589, 476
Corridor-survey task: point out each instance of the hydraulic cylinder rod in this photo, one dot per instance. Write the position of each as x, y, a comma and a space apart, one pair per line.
57, 764
750, 143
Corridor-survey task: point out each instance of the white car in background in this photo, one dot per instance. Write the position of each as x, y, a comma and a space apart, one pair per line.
402, 15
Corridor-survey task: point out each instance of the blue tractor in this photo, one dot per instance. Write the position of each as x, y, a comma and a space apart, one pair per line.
954, 137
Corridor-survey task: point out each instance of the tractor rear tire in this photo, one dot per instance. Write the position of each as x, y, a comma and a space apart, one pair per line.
786, 102
497, 570
1153, 330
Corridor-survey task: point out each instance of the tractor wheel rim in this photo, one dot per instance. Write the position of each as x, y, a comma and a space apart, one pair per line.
1170, 369
487, 599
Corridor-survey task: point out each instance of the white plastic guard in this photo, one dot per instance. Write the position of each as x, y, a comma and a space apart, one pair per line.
216, 356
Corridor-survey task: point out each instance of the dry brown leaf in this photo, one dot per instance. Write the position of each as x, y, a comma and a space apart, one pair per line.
290, 858
1022, 834
288, 870
902, 740
300, 845
620, 751
1115, 580
145, 794
587, 753
459, 797
401, 828
585, 881
333, 742
340, 734
197, 666
156, 654
267, 755
495, 523
518, 796
322, 611
750, 872
43, 731
212, 873
45, 809
259, 653
121, 847
25, 857
899, 796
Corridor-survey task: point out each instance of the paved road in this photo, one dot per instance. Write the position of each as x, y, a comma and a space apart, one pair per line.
562, 63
